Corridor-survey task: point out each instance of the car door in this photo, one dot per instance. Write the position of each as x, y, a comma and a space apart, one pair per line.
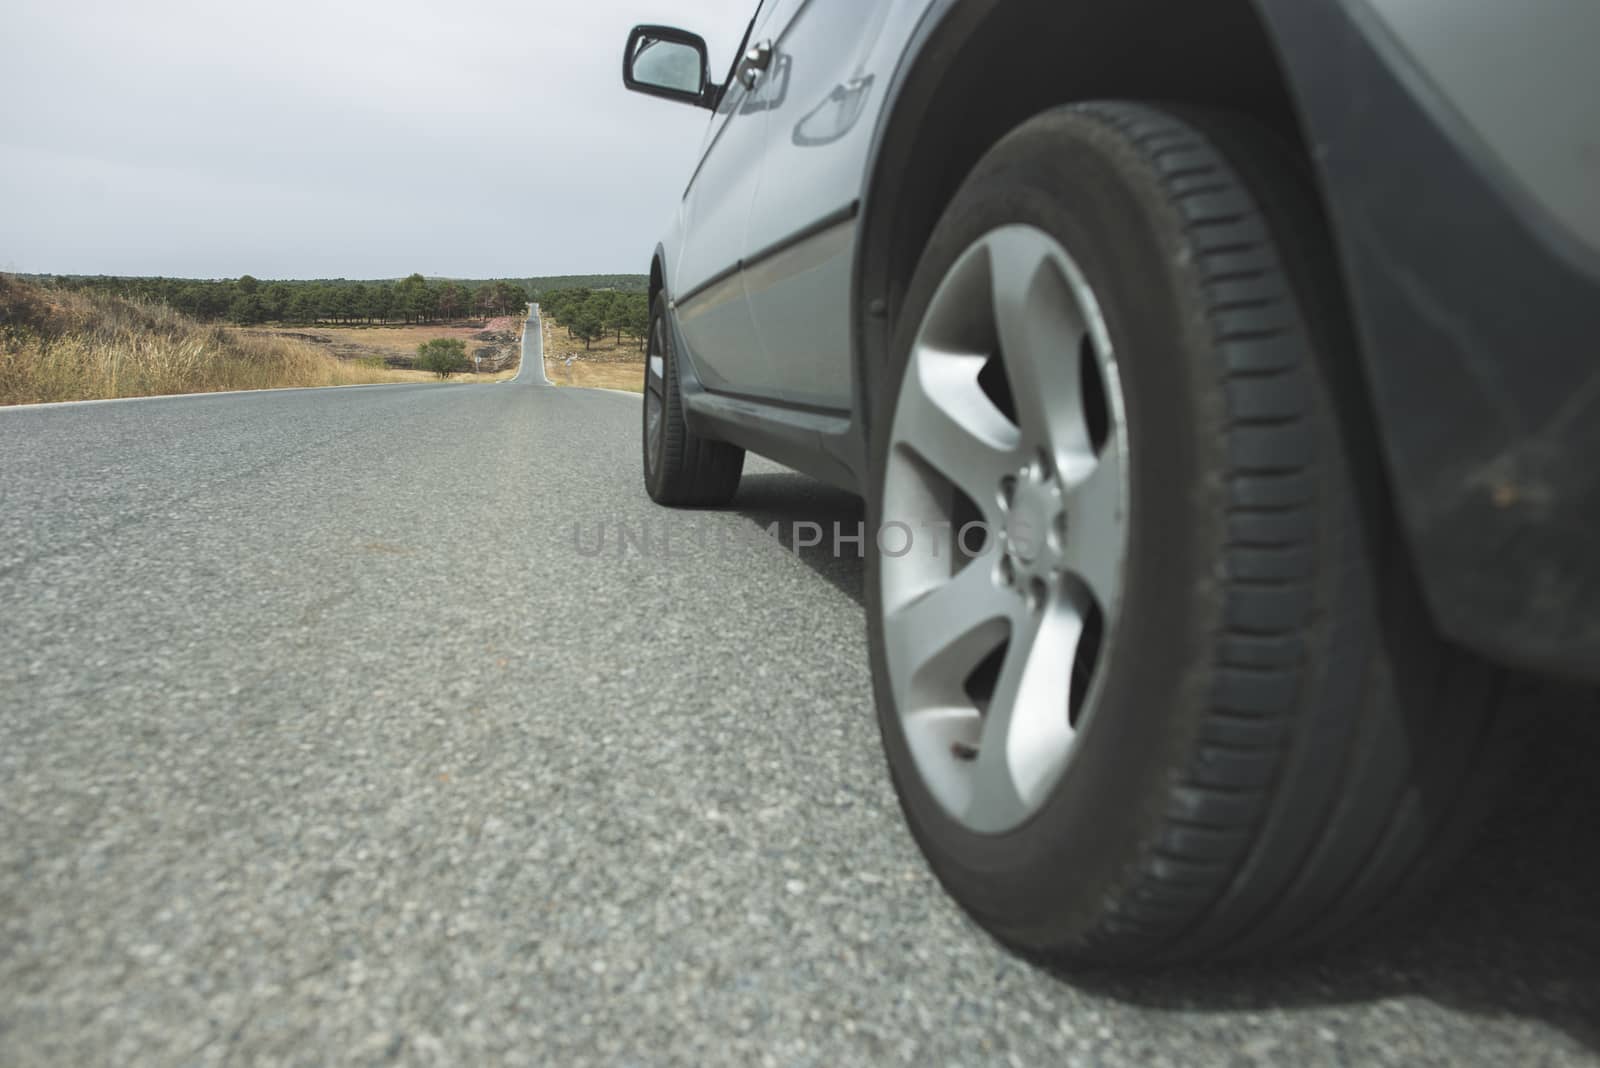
831, 64
712, 312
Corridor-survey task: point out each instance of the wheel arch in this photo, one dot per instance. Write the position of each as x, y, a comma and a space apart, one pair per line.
658, 276
975, 69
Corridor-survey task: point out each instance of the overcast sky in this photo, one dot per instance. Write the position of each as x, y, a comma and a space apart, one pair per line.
331, 138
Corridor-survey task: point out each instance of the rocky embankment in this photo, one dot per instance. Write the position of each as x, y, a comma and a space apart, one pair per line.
495, 351
498, 345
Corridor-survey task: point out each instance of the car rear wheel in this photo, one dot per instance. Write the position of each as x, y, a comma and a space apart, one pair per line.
680, 467
1152, 676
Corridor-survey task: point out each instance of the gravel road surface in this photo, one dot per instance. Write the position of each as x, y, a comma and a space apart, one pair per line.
327, 736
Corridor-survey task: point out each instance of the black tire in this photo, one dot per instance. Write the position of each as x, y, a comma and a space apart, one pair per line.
1284, 745
681, 468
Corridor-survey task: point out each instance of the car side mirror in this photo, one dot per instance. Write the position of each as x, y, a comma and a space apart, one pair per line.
670, 63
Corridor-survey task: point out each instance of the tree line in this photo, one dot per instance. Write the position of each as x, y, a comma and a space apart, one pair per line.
247, 300
591, 314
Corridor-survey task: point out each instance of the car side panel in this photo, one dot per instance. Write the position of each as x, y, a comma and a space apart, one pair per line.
715, 317
800, 301
712, 310
833, 59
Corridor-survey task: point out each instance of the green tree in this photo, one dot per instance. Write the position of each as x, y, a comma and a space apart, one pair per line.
509, 297
482, 301
587, 325
303, 305
247, 309
211, 300
563, 306
192, 301
361, 301
636, 319
443, 356
412, 298
618, 312
453, 300
277, 300
383, 301
599, 305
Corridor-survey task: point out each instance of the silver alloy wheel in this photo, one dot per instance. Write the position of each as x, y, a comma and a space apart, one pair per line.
982, 642
655, 395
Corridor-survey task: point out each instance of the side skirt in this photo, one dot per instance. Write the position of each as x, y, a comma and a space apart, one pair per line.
822, 443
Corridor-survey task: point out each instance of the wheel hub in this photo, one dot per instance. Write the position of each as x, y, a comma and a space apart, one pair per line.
1035, 511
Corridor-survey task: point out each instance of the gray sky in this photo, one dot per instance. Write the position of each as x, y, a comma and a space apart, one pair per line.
328, 138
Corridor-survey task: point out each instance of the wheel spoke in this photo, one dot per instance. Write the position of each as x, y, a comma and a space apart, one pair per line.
936, 735
936, 638
945, 418
1027, 732
1040, 328
1095, 527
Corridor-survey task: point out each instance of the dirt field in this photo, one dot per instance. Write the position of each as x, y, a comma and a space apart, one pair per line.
605, 365
394, 343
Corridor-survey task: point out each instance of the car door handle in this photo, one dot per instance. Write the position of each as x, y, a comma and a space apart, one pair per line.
756, 60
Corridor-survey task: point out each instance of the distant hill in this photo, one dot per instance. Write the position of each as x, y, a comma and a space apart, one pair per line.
622, 283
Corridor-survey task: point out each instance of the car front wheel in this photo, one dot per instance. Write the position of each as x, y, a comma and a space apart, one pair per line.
1153, 678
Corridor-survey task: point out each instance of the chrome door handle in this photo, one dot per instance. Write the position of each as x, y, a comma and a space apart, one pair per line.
756, 60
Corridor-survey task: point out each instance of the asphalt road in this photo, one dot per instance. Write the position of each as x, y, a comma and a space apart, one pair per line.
327, 737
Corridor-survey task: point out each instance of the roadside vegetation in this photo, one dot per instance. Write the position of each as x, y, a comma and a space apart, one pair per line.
591, 314
80, 337
64, 344
595, 338
442, 357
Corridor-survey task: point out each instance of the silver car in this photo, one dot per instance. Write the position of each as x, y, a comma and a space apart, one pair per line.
1221, 382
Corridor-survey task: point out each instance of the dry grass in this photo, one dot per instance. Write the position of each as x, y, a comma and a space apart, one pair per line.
598, 376
605, 365
60, 346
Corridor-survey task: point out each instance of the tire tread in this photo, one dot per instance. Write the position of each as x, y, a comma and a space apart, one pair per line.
1187, 900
